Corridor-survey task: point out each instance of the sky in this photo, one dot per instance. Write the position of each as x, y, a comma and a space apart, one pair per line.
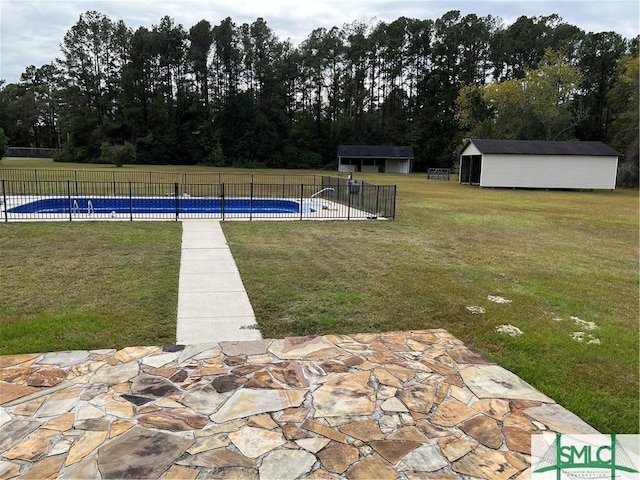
31, 30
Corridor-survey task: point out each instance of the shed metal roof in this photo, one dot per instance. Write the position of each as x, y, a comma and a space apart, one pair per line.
375, 151
542, 147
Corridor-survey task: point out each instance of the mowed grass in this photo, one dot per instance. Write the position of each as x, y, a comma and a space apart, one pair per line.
87, 285
555, 255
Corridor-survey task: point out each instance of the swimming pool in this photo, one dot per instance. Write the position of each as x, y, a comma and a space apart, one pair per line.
170, 205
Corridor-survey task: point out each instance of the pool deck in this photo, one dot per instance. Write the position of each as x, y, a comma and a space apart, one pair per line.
325, 210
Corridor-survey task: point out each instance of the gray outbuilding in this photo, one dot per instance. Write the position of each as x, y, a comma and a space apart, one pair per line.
538, 164
375, 158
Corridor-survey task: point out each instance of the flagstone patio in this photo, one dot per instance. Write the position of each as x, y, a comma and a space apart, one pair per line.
406, 405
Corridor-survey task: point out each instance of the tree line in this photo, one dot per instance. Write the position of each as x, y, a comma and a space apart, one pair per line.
231, 94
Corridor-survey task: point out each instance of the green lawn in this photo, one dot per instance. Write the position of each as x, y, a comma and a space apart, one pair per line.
82, 285
555, 255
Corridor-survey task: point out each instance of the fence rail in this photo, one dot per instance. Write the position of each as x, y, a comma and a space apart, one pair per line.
72, 199
138, 176
439, 173
29, 152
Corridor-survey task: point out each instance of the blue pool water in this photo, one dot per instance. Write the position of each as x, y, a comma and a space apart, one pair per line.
158, 205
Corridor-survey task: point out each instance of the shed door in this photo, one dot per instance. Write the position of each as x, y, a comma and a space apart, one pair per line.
475, 169
470, 167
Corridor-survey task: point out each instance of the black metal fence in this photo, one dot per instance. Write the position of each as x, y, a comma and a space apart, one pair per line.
78, 199
139, 176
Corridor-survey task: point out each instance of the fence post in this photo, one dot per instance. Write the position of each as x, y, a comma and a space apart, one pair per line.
348, 202
251, 202
301, 198
222, 201
393, 203
75, 176
69, 198
35, 177
376, 213
113, 179
176, 193
130, 203
4, 202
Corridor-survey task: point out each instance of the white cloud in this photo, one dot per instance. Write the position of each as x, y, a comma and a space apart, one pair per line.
32, 30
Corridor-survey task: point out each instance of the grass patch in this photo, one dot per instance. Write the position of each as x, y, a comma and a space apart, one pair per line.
87, 285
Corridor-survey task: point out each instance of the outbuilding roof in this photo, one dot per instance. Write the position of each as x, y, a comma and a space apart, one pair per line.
542, 147
375, 151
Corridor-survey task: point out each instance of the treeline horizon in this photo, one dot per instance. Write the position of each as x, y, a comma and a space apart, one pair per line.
237, 95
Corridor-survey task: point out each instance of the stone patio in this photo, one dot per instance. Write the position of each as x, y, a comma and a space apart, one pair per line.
407, 405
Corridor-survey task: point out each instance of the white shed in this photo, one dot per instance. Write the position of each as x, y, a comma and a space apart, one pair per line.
375, 158
538, 164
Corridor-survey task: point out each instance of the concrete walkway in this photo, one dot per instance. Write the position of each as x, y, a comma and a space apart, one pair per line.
213, 305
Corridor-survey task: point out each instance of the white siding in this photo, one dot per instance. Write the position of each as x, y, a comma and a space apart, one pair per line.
548, 171
391, 166
397, 166
471, 150
346, 168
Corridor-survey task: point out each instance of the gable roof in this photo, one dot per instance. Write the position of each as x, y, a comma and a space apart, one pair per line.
374, 151
542, 147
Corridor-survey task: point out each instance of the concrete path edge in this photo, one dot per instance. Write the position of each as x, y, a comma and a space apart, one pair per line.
213, 305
